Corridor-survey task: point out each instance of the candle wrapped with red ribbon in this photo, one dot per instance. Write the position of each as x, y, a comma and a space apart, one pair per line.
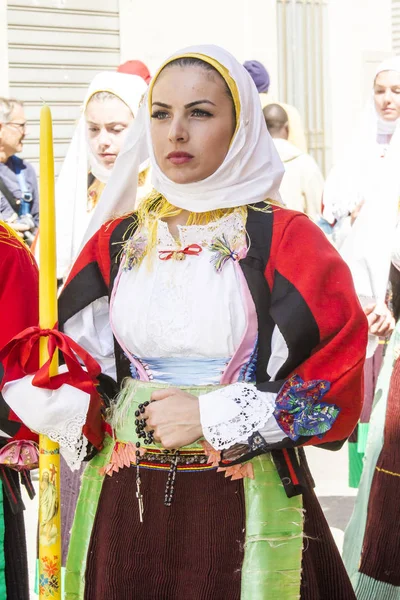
82, 371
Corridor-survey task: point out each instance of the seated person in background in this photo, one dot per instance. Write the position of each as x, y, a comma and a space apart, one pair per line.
302, 185
19, 197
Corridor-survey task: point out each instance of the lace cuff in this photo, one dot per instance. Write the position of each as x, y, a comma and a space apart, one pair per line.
231, 414
58, 414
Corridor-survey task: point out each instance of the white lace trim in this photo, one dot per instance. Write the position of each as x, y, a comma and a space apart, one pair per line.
231, 414
75, 459
72, 442
232, 226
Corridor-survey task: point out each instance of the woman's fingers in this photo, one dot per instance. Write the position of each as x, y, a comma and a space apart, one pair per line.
162, 394
372, 321
387, 327
383, 325
369, 309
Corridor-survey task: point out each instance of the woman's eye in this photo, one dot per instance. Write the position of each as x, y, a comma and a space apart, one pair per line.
93, 129
160, 115
197, 112
117, 129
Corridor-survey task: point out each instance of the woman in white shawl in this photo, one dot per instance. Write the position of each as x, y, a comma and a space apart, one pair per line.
371, 548
361, 201
110, 106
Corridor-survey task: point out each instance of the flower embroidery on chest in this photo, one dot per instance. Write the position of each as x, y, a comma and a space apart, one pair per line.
223, 251
133, 252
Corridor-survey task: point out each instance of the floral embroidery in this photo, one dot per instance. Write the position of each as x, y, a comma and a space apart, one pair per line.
134, 371
133, 251
223, 252
299, 410
49, 584
248, 370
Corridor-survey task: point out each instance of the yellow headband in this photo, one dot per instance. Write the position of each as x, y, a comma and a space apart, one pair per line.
223, 71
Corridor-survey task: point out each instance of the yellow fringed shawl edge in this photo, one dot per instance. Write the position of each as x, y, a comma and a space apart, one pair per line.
9, 236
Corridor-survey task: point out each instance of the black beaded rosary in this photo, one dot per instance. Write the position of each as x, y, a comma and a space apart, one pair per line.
148, 438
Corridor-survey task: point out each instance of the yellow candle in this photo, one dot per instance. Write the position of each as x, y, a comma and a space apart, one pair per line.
49, 462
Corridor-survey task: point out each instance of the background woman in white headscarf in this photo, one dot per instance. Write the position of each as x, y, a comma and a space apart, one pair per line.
362, 195
372, 540
233, 333
109, 108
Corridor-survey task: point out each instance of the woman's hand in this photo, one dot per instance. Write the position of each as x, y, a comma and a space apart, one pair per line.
380, 324
354, 214
174, 416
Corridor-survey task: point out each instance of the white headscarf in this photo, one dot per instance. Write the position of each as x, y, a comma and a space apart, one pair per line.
346, 184
369, 245
251, 172
71, 187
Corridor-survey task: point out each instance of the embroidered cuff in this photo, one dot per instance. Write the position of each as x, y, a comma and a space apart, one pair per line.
299, 410
231, 414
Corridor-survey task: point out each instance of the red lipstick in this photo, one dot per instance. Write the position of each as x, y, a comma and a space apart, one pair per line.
179, 158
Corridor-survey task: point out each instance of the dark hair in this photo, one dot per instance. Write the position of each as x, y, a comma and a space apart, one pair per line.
189, 61
395, 285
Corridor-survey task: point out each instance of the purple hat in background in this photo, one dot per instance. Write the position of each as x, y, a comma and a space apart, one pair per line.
259, 75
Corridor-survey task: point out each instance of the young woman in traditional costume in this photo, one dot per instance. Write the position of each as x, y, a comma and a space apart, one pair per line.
361, 194
109, 108
19, 288
235, 336
372, 547
110, 105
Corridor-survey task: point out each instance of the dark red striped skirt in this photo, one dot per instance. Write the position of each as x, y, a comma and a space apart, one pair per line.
192, 550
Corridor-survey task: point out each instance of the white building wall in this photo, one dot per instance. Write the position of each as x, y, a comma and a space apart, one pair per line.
396, 25
55, 48
151, 31
3, 50
359, 38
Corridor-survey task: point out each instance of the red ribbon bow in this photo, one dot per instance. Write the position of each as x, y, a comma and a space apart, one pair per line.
192, 250
20, 350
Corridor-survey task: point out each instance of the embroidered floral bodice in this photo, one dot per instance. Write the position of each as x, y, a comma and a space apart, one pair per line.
181, 311
182, 306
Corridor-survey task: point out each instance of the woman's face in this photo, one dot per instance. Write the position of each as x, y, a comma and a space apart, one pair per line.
387, 95
192, 123
107, 122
